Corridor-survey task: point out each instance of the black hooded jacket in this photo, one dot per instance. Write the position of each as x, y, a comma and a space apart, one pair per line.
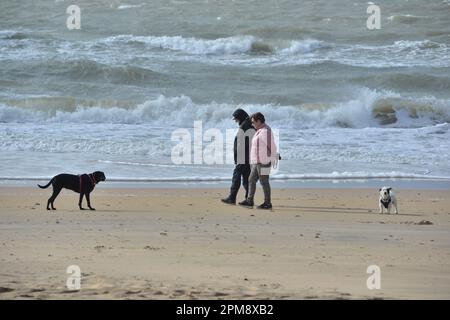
245, 124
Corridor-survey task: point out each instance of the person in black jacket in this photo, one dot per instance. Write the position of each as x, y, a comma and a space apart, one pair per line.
242, 143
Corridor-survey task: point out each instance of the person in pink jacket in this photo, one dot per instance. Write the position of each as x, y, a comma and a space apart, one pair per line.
263, 153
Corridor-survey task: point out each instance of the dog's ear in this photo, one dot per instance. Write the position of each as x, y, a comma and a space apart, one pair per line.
389, 189
379, 189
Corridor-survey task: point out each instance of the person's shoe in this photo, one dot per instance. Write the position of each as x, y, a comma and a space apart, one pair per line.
246, 203
228, 201
265, 206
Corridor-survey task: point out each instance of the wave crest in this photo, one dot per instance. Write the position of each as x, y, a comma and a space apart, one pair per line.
369, 109
244, 44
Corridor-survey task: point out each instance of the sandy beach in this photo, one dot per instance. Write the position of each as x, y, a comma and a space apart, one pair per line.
152, 98
185, 244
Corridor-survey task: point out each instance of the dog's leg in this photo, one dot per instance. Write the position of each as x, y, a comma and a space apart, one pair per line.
53, 198
395, 206
381, 207
88, 198
81, 200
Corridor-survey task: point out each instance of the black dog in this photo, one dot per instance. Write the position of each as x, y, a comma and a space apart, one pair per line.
82, 184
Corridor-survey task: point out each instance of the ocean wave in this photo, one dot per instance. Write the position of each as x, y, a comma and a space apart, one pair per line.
129, 6
302, 47
295, 52
409, 81
407, 45
47, 106
406, 18
12, 35
86, 69
402, 53
230, 45
244, 44
247, 50
370, 108
335, 175
147, 164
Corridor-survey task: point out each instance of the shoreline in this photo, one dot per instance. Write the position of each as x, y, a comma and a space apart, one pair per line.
399, 183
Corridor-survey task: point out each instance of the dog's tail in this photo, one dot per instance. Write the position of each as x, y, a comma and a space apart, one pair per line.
46, 186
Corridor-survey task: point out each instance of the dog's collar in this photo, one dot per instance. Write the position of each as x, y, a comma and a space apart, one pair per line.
386, 202
91, 176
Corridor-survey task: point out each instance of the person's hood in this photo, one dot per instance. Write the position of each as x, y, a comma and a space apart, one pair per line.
240, 114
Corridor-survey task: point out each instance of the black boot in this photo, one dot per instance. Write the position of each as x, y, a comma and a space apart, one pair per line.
266, 206
229, 200
246, 203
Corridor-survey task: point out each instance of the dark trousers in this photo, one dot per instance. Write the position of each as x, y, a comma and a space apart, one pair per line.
240, 170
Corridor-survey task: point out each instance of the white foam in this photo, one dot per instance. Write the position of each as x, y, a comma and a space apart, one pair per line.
335, 175
221, 46
310, 176
240, 44
357, 112
129, 6
302, 47
401, 53
441, 128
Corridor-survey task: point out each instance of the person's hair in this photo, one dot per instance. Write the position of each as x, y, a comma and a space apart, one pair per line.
258, 116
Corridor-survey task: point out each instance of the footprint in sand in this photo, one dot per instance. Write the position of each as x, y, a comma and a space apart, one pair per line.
133, 292
4, 289
179, 292
424, 222
220, 294
70, 291
99, 248
152, 248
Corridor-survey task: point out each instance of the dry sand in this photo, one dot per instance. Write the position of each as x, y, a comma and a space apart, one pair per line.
185, 244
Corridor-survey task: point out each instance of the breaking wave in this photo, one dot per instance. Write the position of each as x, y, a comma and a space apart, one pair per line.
369, 108
233, 50
245, 44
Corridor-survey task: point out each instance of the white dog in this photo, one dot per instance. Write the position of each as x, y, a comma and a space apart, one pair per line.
387, 200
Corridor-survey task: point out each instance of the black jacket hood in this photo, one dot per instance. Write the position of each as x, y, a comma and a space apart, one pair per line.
240, 114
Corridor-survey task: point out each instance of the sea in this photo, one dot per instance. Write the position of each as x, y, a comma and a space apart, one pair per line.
108, 87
